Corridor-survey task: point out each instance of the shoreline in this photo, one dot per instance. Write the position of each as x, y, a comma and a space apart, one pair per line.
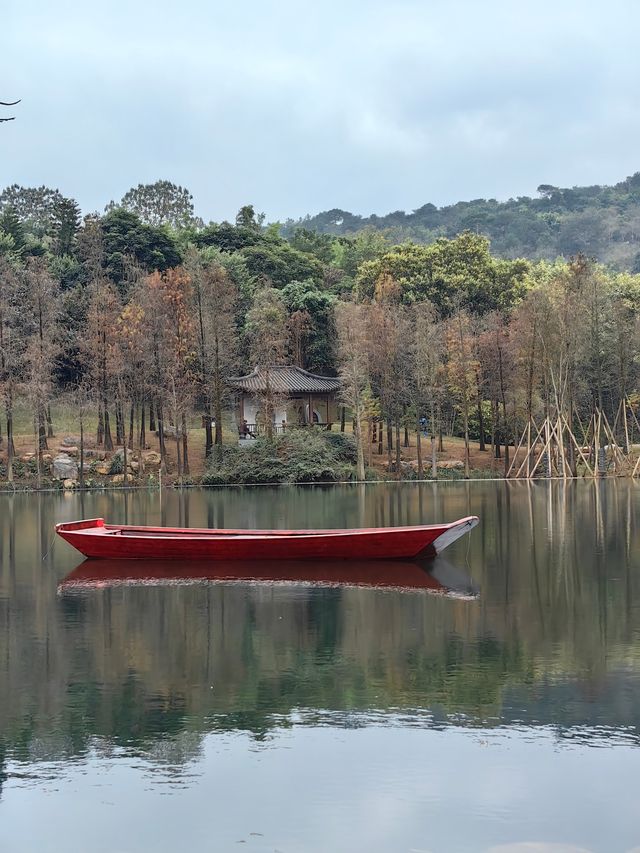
176, 487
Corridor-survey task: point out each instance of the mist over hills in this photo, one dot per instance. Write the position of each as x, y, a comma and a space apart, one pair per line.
602, 222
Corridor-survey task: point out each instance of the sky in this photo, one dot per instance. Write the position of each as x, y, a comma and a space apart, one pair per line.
299, 107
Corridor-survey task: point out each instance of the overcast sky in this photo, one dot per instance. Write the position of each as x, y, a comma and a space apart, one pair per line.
300, 107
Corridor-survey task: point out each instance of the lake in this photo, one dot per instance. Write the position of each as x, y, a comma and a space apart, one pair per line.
487, 702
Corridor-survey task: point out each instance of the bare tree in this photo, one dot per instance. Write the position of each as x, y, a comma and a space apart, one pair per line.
461, 368
428, 375
354, 359
215, 298
12, 350
268, 335
39, 325
98, 351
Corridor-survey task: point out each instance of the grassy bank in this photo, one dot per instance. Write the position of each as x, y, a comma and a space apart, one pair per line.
299, 456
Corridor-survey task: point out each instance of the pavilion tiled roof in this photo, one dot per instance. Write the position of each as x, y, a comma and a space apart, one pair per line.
285, 380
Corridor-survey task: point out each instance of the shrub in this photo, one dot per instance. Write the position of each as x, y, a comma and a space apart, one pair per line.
117, 464
343, 446
23, 470
215, 478
298, 456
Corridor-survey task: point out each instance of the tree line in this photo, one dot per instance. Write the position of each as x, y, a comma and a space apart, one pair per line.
599, 221
141, 314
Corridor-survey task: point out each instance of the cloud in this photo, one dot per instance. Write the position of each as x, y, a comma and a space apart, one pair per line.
368, 106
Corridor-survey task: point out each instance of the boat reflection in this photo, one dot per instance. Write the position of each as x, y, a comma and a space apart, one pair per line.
436, 576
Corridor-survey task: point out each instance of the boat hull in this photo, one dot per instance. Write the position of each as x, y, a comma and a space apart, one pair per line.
95, 539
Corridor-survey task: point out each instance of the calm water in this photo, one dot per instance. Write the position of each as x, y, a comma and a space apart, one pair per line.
494, 702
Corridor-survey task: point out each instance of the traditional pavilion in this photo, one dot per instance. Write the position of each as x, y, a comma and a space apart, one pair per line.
301, 399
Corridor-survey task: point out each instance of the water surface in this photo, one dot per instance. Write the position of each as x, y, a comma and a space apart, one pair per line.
493, 704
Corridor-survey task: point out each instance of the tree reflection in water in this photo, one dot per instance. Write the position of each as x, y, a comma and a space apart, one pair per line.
552, 640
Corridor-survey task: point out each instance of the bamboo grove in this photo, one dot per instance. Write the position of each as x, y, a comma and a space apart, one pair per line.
136, 321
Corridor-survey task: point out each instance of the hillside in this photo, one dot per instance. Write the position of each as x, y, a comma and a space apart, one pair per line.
602, 222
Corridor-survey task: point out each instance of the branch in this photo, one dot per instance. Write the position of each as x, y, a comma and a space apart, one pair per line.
9, 104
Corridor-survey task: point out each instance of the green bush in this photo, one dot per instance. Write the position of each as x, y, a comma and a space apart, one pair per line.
298, 456
117, 464
22, 470
343, 446
215, 477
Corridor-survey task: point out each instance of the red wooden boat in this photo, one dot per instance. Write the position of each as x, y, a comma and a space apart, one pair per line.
94, 538
438, 576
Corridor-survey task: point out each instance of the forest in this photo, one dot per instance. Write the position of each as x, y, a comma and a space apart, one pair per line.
135, 318
600, 222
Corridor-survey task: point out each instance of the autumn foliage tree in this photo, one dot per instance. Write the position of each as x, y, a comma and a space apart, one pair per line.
12, 351
38, 324
461, 370
166, 300
215, 297
354, 358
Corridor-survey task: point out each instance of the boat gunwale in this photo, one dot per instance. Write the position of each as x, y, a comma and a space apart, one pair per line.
99, 528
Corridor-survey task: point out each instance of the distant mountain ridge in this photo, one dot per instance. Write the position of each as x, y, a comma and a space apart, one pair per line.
602, 222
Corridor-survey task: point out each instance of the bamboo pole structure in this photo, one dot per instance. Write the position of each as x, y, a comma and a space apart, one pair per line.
530, 447
555, 443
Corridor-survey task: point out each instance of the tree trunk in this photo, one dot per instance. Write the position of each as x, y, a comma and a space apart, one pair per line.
493, 430
217, 400
506, 437
627, 443
131, 430
143, 438
397, 448
125, 460
163, 448
152, 418
504, 413
217, 416
120, 437
81, 450
36, 431
481, 426
100, 432
208, 434
465, 416
10, 447
185, 445
419, 450
389, 443
178, 459
108, 441
42, 433
434, 452
208, 437
342, 418
360, 472
50, 433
